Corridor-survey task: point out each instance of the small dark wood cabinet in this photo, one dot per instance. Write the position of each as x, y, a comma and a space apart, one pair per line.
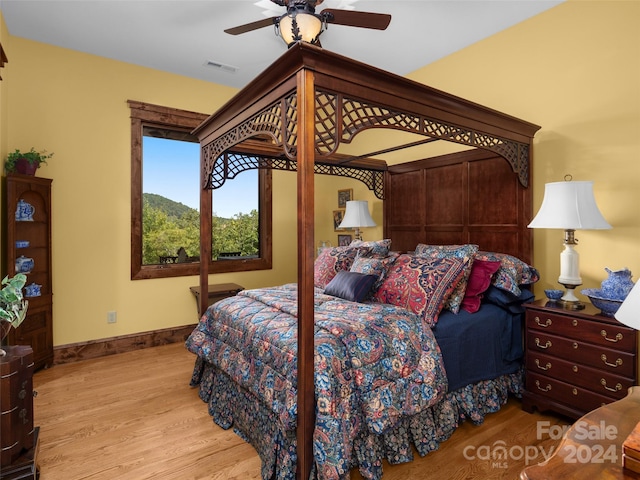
18, 437
216, 292
37, 329
576, 361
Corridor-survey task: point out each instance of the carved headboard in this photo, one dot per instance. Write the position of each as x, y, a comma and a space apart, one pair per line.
467, 197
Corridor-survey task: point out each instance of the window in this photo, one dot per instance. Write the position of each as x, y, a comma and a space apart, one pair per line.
165, 196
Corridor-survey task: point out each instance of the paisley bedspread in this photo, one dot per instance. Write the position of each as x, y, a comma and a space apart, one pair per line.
374, 364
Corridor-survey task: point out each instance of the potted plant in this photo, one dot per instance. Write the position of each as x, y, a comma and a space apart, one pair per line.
26, 162
13, 308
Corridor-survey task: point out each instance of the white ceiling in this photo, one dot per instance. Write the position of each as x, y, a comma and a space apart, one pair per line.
181, 36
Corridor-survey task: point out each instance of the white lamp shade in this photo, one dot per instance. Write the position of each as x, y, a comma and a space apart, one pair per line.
629, 311
309, 27
569, 206
357, 215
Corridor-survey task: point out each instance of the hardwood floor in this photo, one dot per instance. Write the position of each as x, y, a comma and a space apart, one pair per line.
134, 416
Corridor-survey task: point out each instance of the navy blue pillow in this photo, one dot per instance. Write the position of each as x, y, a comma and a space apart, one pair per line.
352, 286
508, 300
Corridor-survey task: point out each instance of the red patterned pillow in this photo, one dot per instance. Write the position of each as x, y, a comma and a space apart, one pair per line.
331, 261
480, 279
466, 253
420, 284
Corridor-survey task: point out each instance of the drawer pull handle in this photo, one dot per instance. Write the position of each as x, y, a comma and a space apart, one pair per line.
546, 345
546, 367
546, 324
574, 345
614, 340
603, 357
575, 369
545, 389
575, 391
23, 416
617, 388
574, 322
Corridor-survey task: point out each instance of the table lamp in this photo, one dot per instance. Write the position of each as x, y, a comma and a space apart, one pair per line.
629, 314
629, 311
357, 216
569, 206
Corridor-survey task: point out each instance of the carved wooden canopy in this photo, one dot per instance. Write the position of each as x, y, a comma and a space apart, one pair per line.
348, 98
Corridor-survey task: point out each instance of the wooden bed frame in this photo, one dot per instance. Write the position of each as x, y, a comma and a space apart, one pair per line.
309, 102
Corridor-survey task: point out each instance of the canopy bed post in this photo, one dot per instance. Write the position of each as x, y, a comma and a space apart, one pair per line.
306, 384
206, 212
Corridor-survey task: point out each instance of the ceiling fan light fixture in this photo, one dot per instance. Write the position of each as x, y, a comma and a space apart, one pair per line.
296, 26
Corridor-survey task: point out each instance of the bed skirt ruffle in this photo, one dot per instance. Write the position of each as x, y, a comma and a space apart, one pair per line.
230, 406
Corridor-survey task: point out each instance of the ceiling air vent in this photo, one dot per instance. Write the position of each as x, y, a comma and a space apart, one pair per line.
221, 66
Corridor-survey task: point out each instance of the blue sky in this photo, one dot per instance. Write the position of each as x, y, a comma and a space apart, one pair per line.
170, 169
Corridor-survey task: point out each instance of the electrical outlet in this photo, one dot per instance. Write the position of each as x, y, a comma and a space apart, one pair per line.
112, 317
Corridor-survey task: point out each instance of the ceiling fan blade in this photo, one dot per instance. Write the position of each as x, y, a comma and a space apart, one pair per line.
252, 26
377, 21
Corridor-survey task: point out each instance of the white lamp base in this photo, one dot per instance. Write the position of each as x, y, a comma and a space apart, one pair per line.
570, 273
569, 299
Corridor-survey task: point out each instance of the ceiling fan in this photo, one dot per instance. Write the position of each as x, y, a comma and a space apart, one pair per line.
301, 22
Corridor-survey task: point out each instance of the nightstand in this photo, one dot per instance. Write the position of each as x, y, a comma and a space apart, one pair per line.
576, 360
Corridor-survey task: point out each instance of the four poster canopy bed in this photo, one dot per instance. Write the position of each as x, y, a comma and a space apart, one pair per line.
374, 351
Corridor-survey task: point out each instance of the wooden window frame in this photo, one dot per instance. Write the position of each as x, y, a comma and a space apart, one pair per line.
145, 114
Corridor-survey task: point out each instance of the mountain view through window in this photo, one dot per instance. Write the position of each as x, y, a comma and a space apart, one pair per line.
171, 199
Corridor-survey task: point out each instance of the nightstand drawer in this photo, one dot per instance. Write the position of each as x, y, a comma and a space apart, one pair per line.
593, 379
613, 361
606, 335
556, 390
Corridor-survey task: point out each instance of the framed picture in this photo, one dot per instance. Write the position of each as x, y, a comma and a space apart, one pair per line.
344, 240
344, 196
338, 215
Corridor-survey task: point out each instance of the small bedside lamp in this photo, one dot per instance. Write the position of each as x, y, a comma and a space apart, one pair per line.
569, 206
629, 311
357, 216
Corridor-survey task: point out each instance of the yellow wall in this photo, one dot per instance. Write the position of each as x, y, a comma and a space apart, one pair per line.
575, 71
75, 105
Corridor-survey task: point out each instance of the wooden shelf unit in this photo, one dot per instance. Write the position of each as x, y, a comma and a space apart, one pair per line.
37, 329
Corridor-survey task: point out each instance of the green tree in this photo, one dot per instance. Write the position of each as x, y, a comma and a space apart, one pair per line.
165, 229
238, 234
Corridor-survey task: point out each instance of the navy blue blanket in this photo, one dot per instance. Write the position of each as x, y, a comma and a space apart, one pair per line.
479, 346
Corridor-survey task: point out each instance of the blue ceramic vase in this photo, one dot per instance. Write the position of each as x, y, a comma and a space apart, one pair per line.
618, 285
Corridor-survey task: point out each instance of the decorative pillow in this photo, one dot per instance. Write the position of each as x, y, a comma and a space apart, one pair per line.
374, 265
378, 247
420, 284
466, 253
351, 286
480, 279
331, 261
512, 273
